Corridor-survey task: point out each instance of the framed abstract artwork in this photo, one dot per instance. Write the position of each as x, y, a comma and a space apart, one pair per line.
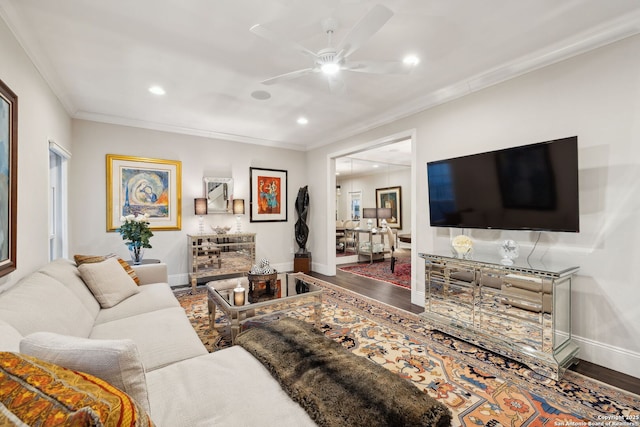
8, 178
138, 185
268, 202
390, 198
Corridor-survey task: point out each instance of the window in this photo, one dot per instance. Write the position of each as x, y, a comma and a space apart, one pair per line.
58, 157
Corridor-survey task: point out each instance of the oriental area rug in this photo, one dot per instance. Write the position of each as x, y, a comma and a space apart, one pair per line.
381, 270
481, 388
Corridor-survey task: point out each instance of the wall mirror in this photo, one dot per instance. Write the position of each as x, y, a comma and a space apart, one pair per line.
219, 193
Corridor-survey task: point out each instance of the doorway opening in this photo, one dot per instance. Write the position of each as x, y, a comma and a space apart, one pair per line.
375, 177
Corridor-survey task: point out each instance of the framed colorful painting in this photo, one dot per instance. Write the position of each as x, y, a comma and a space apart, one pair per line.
268, 201
391, 198
138, 185
8, 178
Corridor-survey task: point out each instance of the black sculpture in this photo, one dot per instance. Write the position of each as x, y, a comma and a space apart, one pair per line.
302, 230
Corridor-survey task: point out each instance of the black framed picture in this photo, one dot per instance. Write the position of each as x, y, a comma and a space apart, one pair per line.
269, 198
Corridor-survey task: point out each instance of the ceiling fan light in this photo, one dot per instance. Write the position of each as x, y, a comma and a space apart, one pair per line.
411, 60
330, 68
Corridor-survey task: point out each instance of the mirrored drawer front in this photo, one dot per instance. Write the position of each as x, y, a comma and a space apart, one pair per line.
529, 300
451, 300
524, 333
493, 300
529, 283
456, 313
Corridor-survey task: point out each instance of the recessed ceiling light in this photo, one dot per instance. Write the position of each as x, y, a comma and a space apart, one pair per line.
303, 120
411, 60
376, 166
330, 68
157, 90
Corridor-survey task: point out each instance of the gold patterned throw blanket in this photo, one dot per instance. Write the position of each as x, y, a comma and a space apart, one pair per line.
334, 386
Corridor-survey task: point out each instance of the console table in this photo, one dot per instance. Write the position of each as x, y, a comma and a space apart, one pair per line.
520, 311
369, 247
220, 255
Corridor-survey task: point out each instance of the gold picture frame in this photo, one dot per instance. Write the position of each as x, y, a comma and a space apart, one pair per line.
140, 185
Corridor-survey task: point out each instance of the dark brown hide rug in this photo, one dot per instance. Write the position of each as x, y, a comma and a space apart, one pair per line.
334, 386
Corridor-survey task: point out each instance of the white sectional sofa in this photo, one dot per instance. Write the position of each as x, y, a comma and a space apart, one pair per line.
51, 310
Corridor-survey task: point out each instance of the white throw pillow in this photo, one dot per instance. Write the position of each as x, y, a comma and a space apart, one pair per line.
115, 361
108, 282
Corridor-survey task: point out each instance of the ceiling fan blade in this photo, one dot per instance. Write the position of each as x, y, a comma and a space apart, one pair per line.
277, 39
289, 76
379, 67
364, 29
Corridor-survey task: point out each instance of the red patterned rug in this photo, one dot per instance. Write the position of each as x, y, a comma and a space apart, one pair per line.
381, 270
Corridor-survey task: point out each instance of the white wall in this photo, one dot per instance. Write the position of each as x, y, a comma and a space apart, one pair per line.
595, 96
200, 157
40, 118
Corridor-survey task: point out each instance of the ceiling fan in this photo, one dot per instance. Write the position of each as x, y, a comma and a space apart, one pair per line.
332, 59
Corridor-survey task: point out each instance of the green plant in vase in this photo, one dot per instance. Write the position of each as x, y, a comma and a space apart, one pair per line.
136, 233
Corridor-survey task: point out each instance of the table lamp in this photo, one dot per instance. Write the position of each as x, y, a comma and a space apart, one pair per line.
200, 208
383, 214
369, 213
238, 210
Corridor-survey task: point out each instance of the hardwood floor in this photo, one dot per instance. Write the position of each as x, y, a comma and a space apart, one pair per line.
401, 298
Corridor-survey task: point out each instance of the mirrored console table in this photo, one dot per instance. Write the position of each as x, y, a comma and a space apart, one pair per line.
521, 312
220, 255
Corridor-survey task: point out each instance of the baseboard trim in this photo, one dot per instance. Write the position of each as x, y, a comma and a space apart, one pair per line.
609, 356
321, 268
417, 297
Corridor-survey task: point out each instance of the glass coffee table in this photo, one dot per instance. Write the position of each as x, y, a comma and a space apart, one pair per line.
298, 291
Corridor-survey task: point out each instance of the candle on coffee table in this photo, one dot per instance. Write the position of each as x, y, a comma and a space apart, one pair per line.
238, 296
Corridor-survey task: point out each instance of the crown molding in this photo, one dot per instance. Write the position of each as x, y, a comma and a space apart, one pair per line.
16, 25
165, 127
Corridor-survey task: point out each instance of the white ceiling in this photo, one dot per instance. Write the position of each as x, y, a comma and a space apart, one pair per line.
100, 57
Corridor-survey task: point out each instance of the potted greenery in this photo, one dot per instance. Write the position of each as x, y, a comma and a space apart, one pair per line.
135, 232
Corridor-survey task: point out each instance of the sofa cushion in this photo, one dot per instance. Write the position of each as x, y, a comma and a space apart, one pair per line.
82, 259
108, 281
66, 272
40, 393
149, 298
162, 336
226, 388
115, 361
9, 337
41, 303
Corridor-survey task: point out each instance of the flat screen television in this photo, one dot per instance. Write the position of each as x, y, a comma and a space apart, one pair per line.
531, 187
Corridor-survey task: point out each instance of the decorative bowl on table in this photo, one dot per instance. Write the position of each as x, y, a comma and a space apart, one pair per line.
462, 246
220, 230
509, 250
